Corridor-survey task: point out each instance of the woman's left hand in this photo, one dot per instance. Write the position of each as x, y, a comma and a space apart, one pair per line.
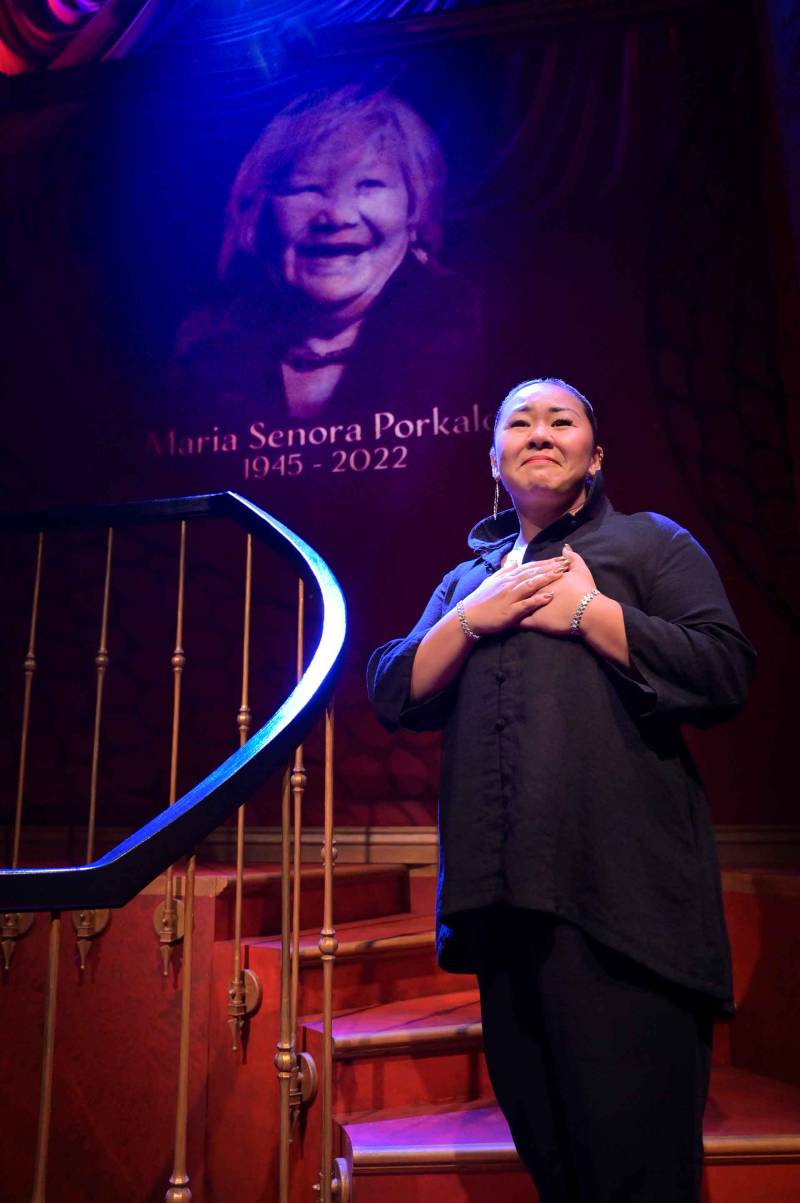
567, 591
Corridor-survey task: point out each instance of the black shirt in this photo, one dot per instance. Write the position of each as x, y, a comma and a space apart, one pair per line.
566, 784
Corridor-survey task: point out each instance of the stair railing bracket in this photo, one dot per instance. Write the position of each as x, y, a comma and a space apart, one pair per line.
244, 1000
304, 1086
15, 926
168, 924
341, 1182
89, 924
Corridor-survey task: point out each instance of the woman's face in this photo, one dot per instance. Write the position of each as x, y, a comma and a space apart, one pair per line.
342, 220
544, 446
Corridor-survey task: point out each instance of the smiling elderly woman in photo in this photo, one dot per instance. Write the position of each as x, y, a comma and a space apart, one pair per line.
333, 300
578, 871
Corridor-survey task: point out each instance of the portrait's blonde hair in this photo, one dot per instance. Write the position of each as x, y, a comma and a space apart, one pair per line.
300, 129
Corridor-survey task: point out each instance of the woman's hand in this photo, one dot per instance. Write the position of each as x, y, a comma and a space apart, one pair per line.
512, 595
603, 623
501, 600
566, 589
540, 596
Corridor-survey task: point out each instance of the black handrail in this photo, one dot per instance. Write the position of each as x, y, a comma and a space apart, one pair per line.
115, 878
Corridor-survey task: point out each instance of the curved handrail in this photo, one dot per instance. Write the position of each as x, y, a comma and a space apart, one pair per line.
113, 879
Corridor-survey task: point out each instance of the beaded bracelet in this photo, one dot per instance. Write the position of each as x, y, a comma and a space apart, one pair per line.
462, 618
574, 626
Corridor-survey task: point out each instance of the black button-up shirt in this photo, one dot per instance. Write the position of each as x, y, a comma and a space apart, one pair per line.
566, 784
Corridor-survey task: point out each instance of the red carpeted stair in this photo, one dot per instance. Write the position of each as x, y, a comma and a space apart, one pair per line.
415, 1114
416, 1119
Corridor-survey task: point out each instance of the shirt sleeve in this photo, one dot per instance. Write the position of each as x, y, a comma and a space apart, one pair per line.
693, 663
389, 674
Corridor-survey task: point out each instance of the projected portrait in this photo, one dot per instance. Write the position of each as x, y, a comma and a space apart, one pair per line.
333, 299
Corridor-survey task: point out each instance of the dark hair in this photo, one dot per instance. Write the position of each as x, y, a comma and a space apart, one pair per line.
556, 380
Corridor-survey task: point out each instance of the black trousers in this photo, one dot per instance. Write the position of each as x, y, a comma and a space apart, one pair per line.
600, 1067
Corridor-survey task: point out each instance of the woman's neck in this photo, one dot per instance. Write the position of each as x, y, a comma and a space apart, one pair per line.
331, 337
537, 514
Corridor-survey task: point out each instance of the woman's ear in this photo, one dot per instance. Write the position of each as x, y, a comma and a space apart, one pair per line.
597, 459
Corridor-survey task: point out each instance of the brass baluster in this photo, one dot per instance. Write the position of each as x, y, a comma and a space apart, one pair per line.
179, 1189
48, 1052
244, 991
90, 923
328, 945
169, 918
297, 1075
304, 1073
284, 1057
298, 781
16, 924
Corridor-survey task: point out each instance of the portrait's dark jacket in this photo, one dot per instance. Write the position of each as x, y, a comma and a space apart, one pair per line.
420, 345
566, 785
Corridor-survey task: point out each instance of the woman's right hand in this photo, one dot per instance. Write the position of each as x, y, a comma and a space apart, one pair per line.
510, 594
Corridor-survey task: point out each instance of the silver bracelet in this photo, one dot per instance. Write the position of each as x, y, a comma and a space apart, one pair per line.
574, 626
462, 618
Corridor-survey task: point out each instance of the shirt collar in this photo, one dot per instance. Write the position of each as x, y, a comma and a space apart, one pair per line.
492, 538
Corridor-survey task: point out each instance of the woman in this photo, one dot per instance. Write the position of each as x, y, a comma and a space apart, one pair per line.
578, 874
332, 297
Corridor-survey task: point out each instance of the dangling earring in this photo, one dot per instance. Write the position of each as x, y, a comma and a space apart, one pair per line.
496, 497
419, 252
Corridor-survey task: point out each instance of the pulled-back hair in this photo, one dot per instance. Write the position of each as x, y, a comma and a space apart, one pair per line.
301, 128
559, 383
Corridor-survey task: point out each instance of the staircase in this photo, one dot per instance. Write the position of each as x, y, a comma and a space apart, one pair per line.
139, 1074
416, 1119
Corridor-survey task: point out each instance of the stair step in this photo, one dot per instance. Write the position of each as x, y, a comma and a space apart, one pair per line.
460, 1155
763, 912
780, 882
377, 960
365, 938
416, 1025
449, 1022
362, 892
749, 1119
405, 1052
440, 1139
